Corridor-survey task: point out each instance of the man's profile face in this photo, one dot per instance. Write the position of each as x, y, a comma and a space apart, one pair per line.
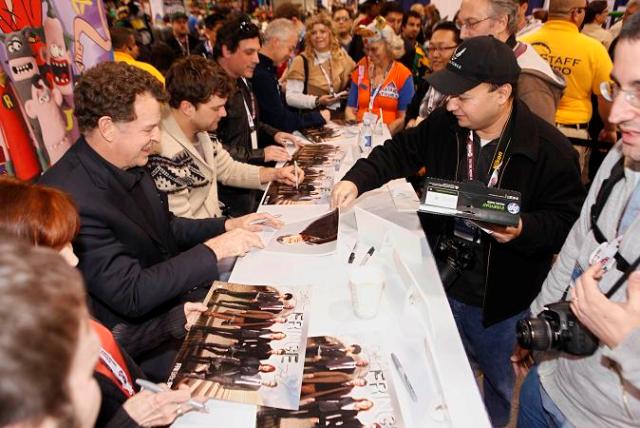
180, 27
286, 48
394, 19
475, 109
134, 141
412, 29
133, 48
476, 19
243, 61
207, 115
626, 74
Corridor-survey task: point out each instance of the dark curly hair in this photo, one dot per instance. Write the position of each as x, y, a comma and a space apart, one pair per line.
196, 79
236, 27
110, 89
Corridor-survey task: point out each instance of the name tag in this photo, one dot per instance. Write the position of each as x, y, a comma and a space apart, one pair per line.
254, 140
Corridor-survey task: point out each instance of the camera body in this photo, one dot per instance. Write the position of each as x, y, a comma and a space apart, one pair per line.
556, 327
454, 255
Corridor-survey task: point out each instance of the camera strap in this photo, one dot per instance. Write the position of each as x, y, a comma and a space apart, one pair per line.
617, 174
628, 271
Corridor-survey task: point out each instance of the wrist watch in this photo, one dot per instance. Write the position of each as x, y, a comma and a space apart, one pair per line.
317, 102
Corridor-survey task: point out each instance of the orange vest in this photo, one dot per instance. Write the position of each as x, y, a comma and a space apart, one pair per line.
388, 95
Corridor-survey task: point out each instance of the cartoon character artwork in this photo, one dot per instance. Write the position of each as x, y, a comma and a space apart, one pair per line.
58, 58
21, 159
44, 106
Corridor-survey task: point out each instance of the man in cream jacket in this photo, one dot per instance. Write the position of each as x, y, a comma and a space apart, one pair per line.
189, 162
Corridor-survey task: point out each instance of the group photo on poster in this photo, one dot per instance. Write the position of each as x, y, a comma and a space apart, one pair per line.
346, 383
248, 346
320, 163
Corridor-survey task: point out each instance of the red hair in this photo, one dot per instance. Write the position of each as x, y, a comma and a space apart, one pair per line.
42, 215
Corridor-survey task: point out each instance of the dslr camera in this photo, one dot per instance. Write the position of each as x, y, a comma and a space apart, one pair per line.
556, 327
454, 256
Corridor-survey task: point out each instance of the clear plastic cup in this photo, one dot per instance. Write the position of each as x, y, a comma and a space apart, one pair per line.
366, 284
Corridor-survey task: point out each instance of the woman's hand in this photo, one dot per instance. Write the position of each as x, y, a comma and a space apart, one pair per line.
192, 311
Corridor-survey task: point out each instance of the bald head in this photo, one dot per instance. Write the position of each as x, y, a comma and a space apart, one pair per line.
568, 10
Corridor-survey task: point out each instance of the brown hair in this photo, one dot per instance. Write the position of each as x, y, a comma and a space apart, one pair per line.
196, 79
324, 19
110, 89
42, 215
120, 37
41, 311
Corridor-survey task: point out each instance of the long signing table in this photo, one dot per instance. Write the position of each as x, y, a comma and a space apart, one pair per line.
414, 320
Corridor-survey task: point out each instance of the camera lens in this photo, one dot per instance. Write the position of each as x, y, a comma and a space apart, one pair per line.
534, 334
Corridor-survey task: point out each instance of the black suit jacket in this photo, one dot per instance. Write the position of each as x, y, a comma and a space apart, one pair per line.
133, 270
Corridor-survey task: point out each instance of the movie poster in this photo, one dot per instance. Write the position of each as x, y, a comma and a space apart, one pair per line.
317, 236
45, 45
248, 347
346, 383
320, 163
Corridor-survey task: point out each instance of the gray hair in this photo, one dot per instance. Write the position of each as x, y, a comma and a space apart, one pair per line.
508, 8
631, 28
281, 29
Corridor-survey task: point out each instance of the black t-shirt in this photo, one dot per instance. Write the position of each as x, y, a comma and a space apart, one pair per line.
470, 286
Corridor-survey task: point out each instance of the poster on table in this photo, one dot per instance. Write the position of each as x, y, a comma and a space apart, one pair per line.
45, 46
248, 347
346, 383
316, 236
320, 162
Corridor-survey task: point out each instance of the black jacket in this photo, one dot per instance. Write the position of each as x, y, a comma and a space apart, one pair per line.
541, 164
192, 43
273, 108
133, 270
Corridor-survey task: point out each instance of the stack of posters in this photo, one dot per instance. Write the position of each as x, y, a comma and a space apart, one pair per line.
249, 346
315, 236
346, 383
320, 162
321, 134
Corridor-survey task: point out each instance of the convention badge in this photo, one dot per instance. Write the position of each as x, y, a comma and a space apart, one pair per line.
254, 140
369, 118
605, 254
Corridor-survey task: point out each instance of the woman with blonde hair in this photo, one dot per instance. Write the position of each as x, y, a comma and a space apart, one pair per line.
380, 85
318, 75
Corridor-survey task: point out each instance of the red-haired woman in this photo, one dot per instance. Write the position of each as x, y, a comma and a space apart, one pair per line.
47, 217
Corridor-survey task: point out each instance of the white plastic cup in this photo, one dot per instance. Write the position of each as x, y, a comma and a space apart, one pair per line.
366, 284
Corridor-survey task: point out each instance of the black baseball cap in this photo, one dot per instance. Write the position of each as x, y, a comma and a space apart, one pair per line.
483, 59
176, 16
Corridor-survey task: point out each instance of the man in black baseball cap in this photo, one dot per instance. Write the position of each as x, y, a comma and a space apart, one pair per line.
485, 134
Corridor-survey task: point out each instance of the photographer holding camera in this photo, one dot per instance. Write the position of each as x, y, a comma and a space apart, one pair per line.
590, 301
485, 134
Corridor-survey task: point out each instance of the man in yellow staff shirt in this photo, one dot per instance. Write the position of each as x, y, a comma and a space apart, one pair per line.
584, 63
125, 50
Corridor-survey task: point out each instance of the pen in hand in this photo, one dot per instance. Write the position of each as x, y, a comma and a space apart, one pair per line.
295, 171
155, 389
367, 256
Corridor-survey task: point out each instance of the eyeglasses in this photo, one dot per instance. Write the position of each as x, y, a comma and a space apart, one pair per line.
433, 49
471, 23
611, 90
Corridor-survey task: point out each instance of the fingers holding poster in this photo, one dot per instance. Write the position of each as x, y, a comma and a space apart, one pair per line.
248, 346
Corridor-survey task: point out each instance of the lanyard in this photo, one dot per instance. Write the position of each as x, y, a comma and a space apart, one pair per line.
327, 76
251, 115
373, 96
117, 371
470, 157
496, 162
185, 50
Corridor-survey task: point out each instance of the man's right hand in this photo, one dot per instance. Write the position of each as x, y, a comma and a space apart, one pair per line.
521, 361
237, 242
326, 100
276, 154
344, 192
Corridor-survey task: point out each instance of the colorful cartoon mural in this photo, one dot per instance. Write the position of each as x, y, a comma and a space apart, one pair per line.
44, 47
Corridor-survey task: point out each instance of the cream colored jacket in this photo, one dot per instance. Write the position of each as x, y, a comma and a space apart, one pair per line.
190, 179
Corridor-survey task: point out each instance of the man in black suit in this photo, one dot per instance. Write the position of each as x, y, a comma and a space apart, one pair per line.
137, 259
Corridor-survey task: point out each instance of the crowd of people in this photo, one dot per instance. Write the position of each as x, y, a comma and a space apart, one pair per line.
103, 261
